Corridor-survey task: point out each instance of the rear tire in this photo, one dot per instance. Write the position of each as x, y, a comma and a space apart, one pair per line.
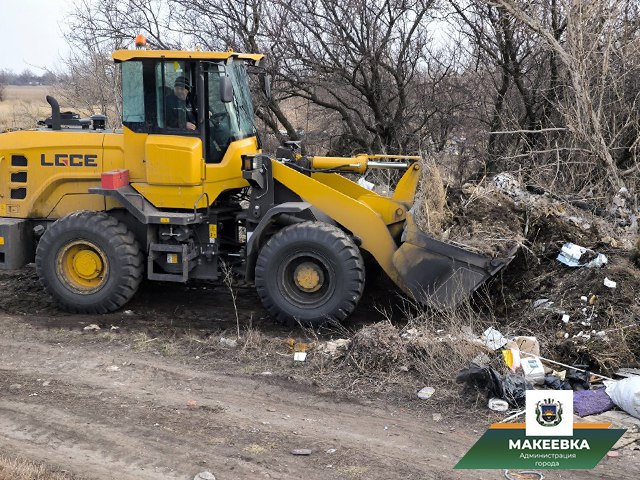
310, 272
89, 263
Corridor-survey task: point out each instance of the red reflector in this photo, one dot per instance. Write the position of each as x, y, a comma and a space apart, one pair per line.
115, 179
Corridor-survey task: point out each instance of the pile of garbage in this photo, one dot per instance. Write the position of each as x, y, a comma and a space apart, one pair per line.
493, 216
575, 283
525, 369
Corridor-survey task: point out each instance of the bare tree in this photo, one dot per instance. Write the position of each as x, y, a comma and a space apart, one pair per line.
596, 106
364, 61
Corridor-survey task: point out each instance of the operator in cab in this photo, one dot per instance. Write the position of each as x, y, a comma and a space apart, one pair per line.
180, 110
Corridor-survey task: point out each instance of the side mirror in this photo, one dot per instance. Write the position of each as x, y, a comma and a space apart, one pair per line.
226, 90
266, 86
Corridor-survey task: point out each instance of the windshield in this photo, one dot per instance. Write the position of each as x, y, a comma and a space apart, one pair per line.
228, 121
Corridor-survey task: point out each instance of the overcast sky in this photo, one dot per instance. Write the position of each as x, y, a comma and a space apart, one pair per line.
31, 33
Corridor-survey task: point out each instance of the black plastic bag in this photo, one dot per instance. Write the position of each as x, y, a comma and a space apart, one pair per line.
515, 387
483, 379
579, 380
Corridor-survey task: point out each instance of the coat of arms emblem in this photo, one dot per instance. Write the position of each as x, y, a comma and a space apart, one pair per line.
549, 412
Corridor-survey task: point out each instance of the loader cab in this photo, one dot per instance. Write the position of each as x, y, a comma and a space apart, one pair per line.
217, 108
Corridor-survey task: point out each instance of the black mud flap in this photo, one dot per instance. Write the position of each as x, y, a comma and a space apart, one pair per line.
440, 274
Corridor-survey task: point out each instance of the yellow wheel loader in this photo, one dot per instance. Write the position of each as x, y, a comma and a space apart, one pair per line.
184, 189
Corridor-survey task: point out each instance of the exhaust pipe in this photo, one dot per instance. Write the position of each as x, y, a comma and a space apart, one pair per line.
55, 113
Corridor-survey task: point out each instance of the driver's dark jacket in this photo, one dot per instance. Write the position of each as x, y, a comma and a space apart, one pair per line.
179, 112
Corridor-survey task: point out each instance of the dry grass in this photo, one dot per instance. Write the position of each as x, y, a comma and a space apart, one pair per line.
431, 199
163, 345
378, 348
23, 106
18, 469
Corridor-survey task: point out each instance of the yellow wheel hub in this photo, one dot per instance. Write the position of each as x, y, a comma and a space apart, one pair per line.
87, 264
82, 266
308, 277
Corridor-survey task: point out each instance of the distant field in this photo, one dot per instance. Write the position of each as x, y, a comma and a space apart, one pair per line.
23, 106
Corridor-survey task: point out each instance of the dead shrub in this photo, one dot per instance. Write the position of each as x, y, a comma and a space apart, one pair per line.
378, 348
440, 343
431, 212
18, 469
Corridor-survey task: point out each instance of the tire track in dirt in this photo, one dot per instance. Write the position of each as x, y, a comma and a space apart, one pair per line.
135, 422
242, 402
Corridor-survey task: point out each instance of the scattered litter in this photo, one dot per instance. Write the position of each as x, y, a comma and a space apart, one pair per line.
483, 378
609, 283
548, 360
533, 370
114, 328
592, 402
515, 388
584, 299
205, 476
555, 383
578, 378
542, 303
228, 342
128, 312
332, 450
335, 348
299, 356
628, 372
593, 299
192, 404
511, 358
365, 184
493, 339
566, 318
46, 383
514, 416
528, 345
266, 374
574, 255
562, 374
426, 393
91, 328
301, 451
437, 417
613, 454
498, 405
113, 368
524, 475
295, 346
626, 395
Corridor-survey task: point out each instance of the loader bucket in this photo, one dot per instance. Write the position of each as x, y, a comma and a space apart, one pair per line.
440, 274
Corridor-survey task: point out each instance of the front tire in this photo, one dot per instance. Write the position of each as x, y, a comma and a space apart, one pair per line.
89, 263
310, 272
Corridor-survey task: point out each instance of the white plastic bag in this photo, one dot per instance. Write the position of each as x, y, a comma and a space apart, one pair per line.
626, 395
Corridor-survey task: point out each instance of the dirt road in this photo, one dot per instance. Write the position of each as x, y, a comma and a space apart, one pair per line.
106, 405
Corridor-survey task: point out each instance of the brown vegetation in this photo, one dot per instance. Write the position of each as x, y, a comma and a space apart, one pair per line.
23, 106
18, 469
